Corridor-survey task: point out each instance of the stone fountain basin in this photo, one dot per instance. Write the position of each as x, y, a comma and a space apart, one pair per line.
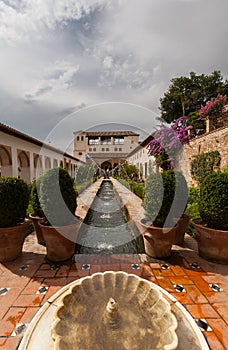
38, 334
114, 310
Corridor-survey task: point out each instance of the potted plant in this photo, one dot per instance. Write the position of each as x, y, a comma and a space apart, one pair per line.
212, 227
179, 207
14, 200
37, 213
58, 202
158, 227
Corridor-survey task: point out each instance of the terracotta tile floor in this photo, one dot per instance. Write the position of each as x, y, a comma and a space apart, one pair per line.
26, 283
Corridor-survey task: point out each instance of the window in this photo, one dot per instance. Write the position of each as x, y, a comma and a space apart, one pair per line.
90, 149
118, 140
120, 149
106, 140
82, 138
102, 149
80, 153
94, 149
78, 138
107, 149
116, 149
93, 141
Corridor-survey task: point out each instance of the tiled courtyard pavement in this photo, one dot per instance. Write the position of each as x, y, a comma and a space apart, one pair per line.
26, 283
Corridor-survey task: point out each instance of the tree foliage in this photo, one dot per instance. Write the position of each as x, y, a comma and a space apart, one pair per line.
57, 197
14, 200
167, 142
203, 164
213, 203
165, 198
186, 94
34, 198
129, 172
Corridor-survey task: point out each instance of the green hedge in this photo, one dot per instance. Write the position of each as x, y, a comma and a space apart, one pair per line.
14, 200
203, 164
34, 198
165, 198
213, 201
57, 197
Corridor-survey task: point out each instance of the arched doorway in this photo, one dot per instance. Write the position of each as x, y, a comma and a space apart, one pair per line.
37, 166
5, 162
106, 165
47, 163
23, 165
55, 163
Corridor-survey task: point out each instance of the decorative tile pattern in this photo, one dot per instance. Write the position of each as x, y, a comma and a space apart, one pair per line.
194, 265
203, 325
20, 328
165, 266
24, 267
86, 267
135, 266
215, 287
179, 288
28, 282
42, 290
3, 291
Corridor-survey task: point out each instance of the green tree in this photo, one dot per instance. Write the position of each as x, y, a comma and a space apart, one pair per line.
186, 94
129, 172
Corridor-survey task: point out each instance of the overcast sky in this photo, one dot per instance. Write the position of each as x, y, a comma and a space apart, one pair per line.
63, 61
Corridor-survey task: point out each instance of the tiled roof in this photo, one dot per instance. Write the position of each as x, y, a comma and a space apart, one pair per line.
107, 155
111, 133
13, 132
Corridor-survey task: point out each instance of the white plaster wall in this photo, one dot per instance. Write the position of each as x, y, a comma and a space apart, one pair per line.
30, 174
142, 160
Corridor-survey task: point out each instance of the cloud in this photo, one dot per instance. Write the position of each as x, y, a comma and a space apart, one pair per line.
21, 20
57, 55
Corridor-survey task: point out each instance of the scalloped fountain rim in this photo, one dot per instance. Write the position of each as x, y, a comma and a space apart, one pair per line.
146, 315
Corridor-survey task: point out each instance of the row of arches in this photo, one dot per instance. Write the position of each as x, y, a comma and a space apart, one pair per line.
28, 171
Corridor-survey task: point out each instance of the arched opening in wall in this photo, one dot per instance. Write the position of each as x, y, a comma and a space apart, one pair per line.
74, 171
47, 163
23, 165
55, 163
67, 165
106, 167
5, 161
61, 164
38, 170
71, 170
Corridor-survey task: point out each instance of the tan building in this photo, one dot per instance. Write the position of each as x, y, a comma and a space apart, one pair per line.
28, 158
140, 158
107, 149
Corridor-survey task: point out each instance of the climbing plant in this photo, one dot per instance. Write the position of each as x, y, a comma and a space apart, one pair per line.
203, 164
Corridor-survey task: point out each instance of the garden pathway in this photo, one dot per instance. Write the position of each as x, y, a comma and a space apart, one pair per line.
28, 282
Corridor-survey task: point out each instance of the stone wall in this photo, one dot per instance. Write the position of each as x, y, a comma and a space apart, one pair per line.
216, 140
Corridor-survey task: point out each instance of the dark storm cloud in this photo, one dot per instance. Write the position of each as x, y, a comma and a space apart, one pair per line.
57, 56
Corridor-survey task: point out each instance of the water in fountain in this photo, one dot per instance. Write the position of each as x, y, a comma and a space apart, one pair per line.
105, 229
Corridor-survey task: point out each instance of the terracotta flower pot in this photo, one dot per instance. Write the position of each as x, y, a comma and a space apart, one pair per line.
182, 224
158, 241
212, 243
39, 234
60, 240
11, 241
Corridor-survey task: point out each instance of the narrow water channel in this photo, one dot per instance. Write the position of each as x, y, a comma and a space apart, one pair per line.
105, 229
